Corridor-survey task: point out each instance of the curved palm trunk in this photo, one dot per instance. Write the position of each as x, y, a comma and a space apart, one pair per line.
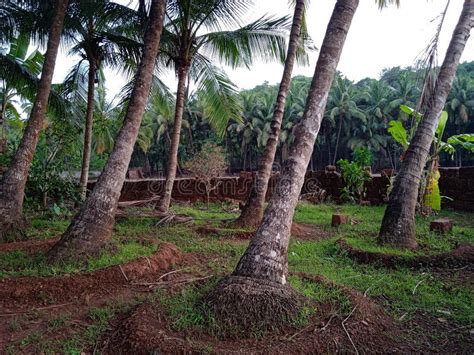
398, 225
337, 140
92, 226
164, 203
3, 141
252, 212
86, 154
12, 186
262, 271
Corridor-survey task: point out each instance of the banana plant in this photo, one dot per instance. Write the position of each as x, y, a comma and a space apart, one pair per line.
429, 191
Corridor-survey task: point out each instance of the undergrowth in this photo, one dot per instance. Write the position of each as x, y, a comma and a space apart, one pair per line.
404, 292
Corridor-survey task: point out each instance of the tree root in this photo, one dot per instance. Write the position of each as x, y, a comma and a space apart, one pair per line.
13, 230
245, 306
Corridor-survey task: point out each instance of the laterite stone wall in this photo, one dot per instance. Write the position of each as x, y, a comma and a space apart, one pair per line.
455, 183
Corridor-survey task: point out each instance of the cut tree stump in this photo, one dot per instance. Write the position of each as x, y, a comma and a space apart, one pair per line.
338, 219
442, 225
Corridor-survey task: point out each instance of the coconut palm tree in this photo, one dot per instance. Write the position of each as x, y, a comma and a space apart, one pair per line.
398, 224
404, 92
94, 30
459, 104
18, 77
12, 186
92, 227
342, 107
460, 101
257, 292
195, 33
373, 132
252, 212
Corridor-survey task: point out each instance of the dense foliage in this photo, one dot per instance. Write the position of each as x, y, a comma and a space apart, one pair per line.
358, 114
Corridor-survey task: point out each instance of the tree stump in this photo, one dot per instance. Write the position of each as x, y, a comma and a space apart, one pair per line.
330, 169
442, 225
338, 219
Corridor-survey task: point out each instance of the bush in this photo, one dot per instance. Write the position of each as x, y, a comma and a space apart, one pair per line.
355, 174
209, 164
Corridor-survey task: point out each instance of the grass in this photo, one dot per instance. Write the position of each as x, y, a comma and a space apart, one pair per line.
184, 309
20, 263
47, 342
403, 291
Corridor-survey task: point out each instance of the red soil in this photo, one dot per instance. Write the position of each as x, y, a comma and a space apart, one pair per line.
298, 230
147, 329
25, 292
28, 246
462, 256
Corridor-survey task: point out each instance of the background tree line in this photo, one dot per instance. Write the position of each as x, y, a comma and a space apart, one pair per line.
357, 115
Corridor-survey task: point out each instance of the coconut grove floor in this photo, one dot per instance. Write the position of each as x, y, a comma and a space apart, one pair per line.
143, 293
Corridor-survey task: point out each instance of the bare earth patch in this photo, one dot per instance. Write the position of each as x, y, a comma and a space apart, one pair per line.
28, 246
462, 256
147, 329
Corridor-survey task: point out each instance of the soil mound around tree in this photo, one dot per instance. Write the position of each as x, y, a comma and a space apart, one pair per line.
298, 230
243, 305
21, 292
462, 256
29, 246
208, 230
309, 232
367, 328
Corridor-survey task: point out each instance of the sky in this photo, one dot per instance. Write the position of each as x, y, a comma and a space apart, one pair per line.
377, 39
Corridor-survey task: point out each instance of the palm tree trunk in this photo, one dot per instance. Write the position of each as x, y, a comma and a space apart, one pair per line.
86, 154
252, 213
328, 143
92, 227
164, 203
337, 140
398, 225
258, 286
12, 186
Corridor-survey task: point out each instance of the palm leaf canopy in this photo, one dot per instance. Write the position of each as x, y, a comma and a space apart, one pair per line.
20, 72
100, 30
196, 33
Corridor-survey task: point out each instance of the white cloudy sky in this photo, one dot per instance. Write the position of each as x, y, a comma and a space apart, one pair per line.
377, 39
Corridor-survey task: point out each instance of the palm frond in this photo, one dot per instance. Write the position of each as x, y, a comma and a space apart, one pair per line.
263, 39
217, 93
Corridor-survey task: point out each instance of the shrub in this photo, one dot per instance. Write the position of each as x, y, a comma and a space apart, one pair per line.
209, 164
355, 174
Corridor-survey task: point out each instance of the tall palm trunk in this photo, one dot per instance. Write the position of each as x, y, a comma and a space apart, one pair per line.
92, 227
86, 154
337, 140
252, 212
398, 225
164, 203
12, 186
3, 141
258, 286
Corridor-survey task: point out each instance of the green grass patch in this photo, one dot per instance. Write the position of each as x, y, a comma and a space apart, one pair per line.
20, 263
46, 228
185, 309
396, 289
400, 290
46, 342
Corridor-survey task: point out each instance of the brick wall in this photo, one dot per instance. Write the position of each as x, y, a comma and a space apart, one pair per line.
455, 183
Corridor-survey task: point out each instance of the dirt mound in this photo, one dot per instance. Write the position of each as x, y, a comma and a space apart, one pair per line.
298, 230
30, 246
462, 256
33, 291
368, 329
207, 230
309, 231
